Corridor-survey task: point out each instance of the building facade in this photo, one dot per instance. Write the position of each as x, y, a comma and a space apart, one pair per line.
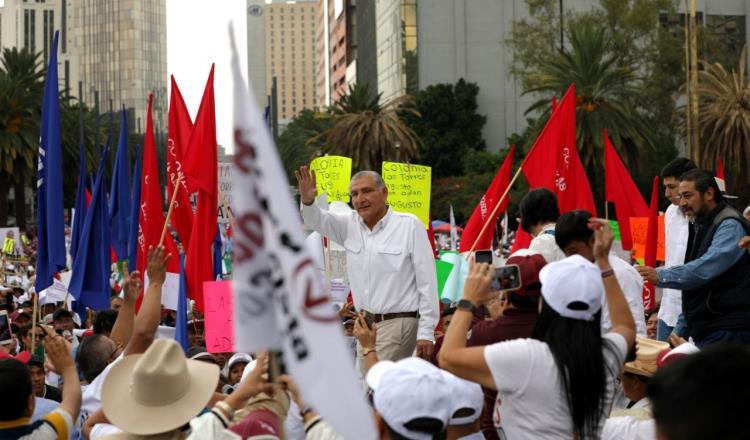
290, 30
256, 50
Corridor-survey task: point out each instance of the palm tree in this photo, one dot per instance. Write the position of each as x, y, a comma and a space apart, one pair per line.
369, 132
606, 87
724, 116
21, 89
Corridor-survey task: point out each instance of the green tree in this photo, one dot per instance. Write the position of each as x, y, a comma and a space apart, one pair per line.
299, 142
367, 131
450, 129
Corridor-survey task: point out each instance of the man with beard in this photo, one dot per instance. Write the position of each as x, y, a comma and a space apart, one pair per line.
715, 279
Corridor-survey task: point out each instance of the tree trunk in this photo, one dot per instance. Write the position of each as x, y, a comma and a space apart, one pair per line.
19, 193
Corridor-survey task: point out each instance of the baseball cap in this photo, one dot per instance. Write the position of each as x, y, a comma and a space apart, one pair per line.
467, 399
529, 266
668, 356
238, 357
410, 389
23, 357
573, 287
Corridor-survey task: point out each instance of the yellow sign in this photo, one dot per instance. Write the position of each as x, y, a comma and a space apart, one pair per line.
409, 188
332, 174
9, 246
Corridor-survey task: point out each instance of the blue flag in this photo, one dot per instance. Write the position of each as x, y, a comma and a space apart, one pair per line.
89, 283
80, 207
135, 211
181, 326
119, 194
217, 255
49, 184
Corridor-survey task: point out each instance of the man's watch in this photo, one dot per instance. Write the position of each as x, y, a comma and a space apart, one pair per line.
465, 304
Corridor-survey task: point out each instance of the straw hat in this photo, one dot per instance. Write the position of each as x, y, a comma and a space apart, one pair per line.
647, 351
157, 391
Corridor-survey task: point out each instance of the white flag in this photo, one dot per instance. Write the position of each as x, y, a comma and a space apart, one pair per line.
269, 229
454, 233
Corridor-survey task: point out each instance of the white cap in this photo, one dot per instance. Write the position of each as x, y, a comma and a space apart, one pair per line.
465, 396
746, 211
236, 358
573, 287
409, 389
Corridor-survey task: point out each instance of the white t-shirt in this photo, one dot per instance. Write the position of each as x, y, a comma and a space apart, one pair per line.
545, 244
91, 398
530, 403
631, 284
676, 233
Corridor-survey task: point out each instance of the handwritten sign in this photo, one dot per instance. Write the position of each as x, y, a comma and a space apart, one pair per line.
639, 231
409, 188
332, 175
217, 298
225, 191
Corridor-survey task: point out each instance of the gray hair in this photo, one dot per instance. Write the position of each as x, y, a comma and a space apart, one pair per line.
373, 174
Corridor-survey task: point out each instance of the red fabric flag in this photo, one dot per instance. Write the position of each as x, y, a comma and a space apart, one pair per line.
151, 217
720, 170
200, 165
620, 189
522, 240
553, 160
652, 238
180, 127
486, 205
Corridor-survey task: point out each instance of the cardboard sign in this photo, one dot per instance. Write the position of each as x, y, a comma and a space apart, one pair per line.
225, 191
409, 188
639, 231
332, 176
170, 290
217, 298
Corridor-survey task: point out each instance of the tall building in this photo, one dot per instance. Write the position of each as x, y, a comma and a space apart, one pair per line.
335, 50
397, 46
290, 54
256, 50
122, 50
366, 60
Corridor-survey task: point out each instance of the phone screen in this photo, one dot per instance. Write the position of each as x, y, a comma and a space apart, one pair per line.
483, 256
5, 332
507, 278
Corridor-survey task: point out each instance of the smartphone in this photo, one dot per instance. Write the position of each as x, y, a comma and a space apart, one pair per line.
276, 366
6, 335
369, 319
349, 323
483, 256
507, 278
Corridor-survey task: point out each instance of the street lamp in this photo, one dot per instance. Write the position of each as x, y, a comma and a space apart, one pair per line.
397, 144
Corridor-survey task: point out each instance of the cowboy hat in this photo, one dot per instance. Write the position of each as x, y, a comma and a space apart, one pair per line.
647, 351
157, 391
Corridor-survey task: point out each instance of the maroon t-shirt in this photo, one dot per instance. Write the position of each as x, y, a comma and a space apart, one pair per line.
514, 324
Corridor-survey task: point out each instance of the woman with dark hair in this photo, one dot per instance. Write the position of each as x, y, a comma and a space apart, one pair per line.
560, 382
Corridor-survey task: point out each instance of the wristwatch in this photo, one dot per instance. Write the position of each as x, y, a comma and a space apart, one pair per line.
465, 304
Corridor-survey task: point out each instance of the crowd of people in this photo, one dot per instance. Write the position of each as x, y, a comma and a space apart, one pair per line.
568, 353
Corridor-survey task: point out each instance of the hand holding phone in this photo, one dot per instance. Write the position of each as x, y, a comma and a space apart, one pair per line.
507, 278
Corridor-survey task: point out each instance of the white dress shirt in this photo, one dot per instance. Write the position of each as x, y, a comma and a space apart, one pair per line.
391, 268
544, 243
676, 231
631, 284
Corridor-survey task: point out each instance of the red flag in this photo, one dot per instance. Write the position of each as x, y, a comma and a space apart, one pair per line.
554, 103
522, 240
486, 206
553, 160
652, 238
151, 217
200, 165
180, 127
720, 170
620, 189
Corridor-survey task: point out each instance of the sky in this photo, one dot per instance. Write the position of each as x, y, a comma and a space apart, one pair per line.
197, 35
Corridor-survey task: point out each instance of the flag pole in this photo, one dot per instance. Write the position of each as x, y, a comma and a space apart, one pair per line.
33, 321
497, 206
171, 207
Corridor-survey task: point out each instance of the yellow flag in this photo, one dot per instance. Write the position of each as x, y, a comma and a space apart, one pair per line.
332, 174
409, 188
9, 245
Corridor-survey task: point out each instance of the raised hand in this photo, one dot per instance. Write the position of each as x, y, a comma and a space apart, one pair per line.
132, 283
603, 238
306, 182
157, 264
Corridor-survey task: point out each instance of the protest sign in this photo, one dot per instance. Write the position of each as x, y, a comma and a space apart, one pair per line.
332, 175
225, 192
217, 299
639, 231
409, 188
169, 290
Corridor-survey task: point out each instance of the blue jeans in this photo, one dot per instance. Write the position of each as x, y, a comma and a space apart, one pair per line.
663, 331
718, 336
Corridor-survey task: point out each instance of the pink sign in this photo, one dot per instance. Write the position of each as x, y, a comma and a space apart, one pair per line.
217, 298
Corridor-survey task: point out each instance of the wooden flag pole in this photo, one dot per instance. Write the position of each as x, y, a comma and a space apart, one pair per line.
497, 206
171, 207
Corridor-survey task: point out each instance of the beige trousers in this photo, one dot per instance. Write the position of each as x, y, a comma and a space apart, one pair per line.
396, 339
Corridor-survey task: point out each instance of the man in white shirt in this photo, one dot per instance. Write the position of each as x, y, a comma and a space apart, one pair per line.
676, 235
539, 211
574, 236
389, 262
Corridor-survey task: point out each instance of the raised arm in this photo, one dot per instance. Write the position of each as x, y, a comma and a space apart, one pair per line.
58, 352
147, 321
123, 328
324, 222
619, 311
